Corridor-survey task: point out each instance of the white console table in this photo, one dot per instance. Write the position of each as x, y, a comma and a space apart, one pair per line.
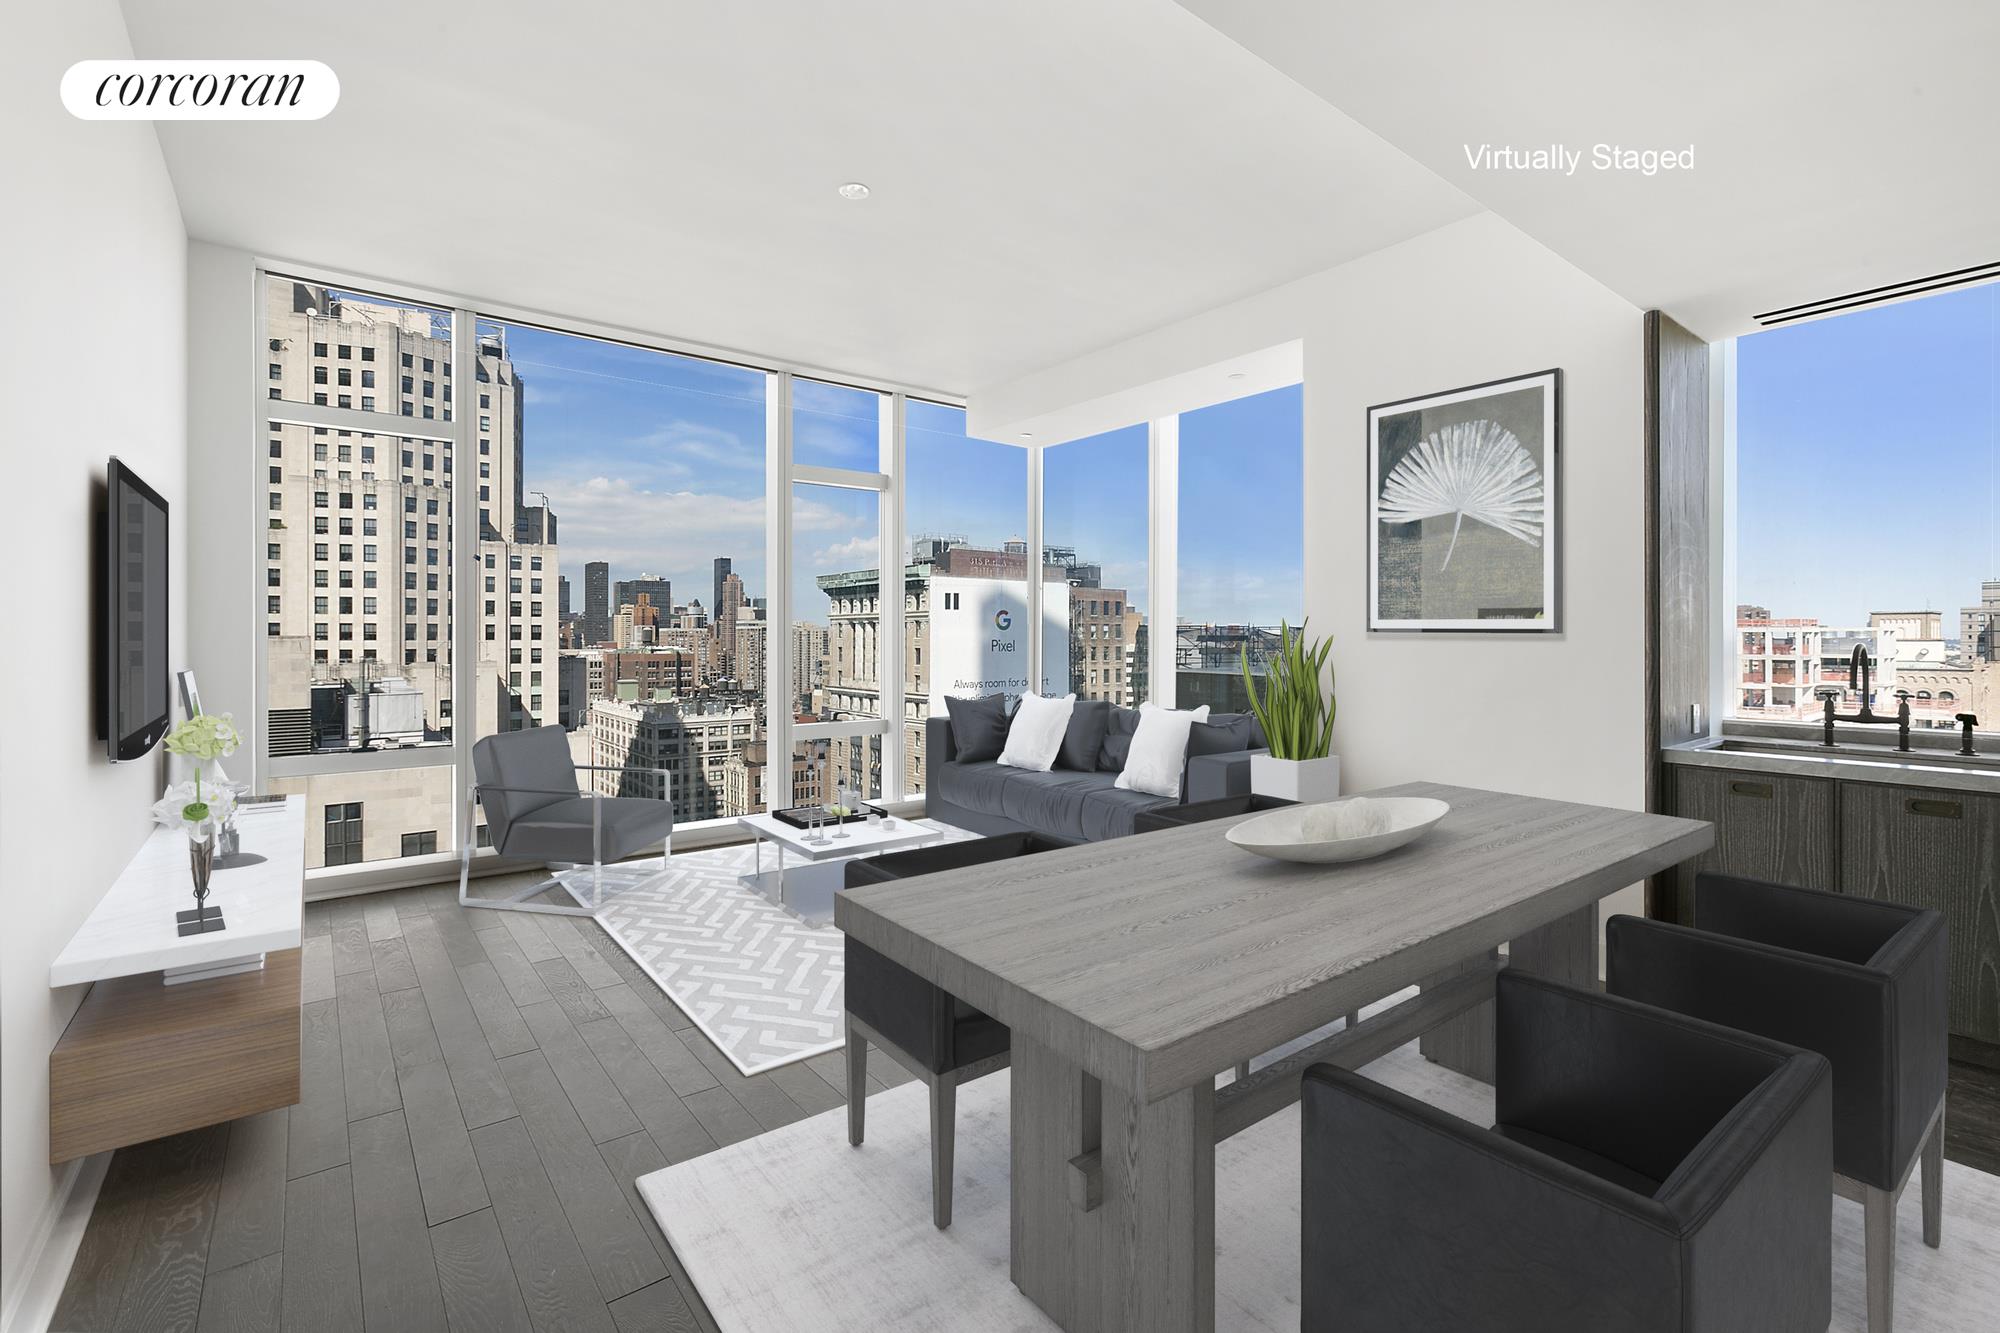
141, 1060
262, 897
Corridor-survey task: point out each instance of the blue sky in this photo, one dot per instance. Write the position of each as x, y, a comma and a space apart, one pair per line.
1868, 460
656, 464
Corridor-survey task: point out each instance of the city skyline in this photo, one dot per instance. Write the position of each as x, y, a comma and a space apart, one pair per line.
654, 463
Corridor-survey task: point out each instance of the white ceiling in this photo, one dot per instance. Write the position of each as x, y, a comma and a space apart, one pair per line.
1049, 176
1839, 144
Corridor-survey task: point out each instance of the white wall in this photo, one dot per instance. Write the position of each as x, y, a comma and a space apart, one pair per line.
93, 358
1559, 716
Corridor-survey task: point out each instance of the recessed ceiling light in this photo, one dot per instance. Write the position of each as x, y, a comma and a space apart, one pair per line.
1027, 435
1236, 374
854, 190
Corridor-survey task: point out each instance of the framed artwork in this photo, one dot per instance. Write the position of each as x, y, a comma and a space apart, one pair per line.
1464, 515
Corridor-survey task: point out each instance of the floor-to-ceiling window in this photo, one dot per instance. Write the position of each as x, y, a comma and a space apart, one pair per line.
732, 587
1241, 542
965, 584
839, 455
610, 481
1864, 512
1096, 525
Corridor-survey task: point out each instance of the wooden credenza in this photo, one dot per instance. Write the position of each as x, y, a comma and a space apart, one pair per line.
141, 1060
143, 1056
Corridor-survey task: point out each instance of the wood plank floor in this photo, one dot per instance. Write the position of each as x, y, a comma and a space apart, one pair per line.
479, 1092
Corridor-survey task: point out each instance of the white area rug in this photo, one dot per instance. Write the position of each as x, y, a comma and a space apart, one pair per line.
764, 985
796, 1230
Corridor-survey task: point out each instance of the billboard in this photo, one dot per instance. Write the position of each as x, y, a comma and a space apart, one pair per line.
979, 638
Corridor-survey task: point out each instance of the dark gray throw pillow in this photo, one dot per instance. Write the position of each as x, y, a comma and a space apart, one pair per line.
1225, 733
1088, 721
978, 727
1122, 724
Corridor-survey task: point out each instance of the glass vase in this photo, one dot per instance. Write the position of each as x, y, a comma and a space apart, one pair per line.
201, 860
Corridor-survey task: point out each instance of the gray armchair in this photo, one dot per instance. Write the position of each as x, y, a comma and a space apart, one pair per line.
536, 811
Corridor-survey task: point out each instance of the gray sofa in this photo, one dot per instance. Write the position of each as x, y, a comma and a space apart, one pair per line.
1064, 802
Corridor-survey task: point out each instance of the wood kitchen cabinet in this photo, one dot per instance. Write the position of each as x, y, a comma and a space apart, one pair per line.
1925, 846
1767, 826
1937, 849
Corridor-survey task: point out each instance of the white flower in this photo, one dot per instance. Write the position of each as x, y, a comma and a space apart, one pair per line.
171, 809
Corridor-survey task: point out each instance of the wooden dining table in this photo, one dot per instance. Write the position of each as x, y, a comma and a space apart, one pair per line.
1132, 972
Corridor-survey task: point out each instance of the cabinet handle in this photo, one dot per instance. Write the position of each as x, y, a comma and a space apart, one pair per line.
1918, 805
1761, 790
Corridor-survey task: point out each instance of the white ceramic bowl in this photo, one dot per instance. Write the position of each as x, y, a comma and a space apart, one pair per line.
1282, 834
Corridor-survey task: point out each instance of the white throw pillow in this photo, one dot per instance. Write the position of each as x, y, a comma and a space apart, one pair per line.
1159, 750
1036, 734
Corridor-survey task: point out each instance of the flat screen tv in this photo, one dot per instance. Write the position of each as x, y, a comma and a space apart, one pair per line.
133, 622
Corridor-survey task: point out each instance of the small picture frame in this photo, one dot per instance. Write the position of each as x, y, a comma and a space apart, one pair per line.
1464, 509
190, 693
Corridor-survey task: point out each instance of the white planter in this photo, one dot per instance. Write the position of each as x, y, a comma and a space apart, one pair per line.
1306, 781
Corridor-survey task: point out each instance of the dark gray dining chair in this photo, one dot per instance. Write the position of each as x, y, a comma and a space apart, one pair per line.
536, 811
1862, 982
935, 1035
1647, 1172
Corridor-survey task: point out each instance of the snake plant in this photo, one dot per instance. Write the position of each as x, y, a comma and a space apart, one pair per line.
1296, 715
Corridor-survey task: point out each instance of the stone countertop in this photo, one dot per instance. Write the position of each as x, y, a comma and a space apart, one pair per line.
1750, 755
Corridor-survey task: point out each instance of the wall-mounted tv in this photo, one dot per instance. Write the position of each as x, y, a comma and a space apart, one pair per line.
132, 628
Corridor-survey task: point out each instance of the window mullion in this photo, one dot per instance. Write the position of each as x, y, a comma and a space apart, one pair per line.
891, 658
459, 599
1163, 557
778, 692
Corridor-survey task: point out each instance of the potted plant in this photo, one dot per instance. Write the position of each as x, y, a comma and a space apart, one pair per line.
1297, 716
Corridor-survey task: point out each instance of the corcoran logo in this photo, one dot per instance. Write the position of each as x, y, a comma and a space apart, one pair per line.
199, 89
1003, 618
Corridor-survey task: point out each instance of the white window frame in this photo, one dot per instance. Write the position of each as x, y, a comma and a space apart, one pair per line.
782, 732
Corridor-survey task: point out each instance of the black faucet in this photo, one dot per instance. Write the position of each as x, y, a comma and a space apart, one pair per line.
1857, 666
1968, 721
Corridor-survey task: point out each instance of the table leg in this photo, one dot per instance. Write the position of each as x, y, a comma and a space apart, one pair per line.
1137, 1254
1564, 950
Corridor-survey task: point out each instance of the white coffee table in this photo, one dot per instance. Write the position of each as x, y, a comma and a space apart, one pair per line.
806, 890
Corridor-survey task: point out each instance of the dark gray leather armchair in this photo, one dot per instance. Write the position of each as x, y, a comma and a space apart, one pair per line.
1648, 1173
535, 811
1858, 980
935, 1035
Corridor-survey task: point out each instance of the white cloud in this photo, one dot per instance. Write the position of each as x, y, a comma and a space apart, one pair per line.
855, 553
633, 528
818, 516
704, 444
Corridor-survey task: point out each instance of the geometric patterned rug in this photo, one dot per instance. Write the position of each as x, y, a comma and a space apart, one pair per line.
762, 984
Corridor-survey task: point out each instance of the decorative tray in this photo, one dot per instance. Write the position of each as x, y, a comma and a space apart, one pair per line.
802, 816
